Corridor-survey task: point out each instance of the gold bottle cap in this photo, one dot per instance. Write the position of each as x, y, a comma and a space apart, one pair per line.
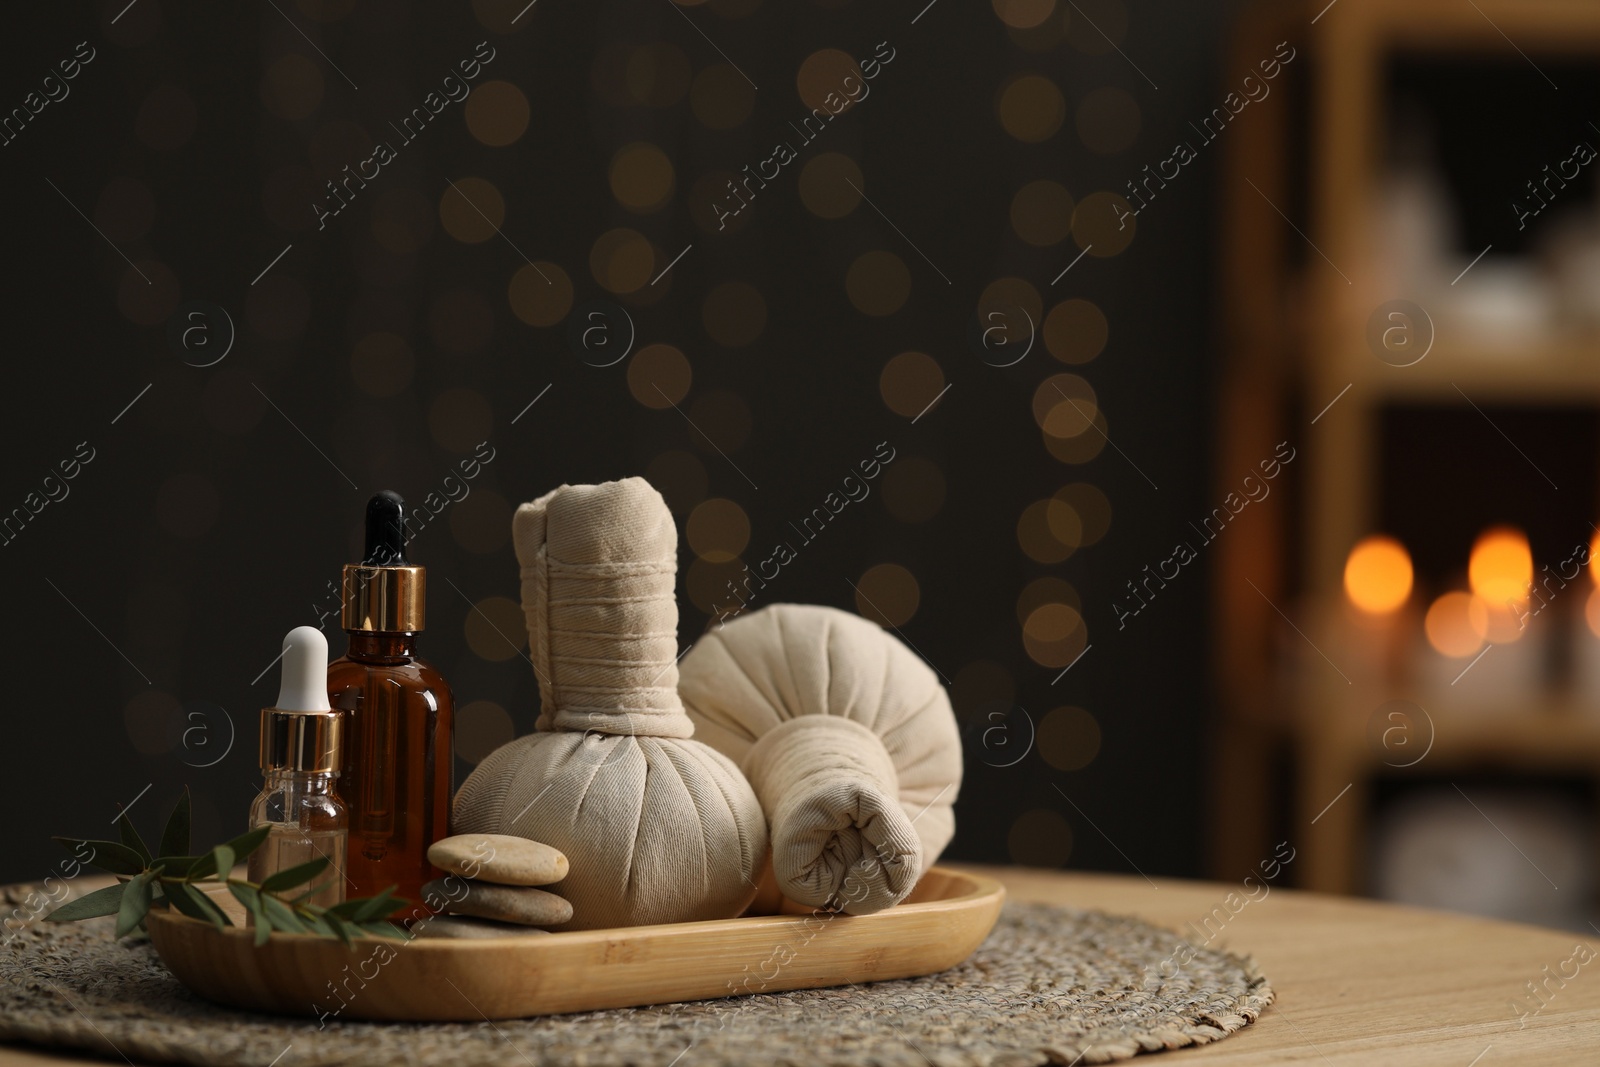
385, 600
301, 740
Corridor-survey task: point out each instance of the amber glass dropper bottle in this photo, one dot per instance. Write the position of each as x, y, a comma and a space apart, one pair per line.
398, 759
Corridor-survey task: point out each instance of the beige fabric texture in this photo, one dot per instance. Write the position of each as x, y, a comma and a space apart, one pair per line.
657, 828
848, 739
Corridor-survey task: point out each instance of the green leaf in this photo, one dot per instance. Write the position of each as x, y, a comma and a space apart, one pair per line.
263, 921
301, 898
299, 874
317, 924
109, 855
135, 904
218, 862
222, 860
386, 929
244, 893
195, 904
337, 926
130, 838
361, 909
178, 866
105, 901
175, 837
251, 898
282, 916
247, 843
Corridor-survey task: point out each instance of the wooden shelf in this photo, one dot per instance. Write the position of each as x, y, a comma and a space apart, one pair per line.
1556, 371
1297, 350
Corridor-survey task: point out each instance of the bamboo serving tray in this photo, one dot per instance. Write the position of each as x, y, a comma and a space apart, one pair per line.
943, 921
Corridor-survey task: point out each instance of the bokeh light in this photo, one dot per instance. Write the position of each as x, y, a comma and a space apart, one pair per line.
540, 293
1024, 14
822, 78
622, 260
1054, 635
1064, 405
829, 183
1046, 590
470, 209
1377, 575
1457, 624
1075, 331
910, 382
1041, 213
1068, 738
1031, 108
497, 113
1501, 566
659, 376
888, 594
878, 283
642, 177
1103, 224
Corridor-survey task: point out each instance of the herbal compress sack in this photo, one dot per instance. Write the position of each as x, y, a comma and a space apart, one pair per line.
657, 828
849, 741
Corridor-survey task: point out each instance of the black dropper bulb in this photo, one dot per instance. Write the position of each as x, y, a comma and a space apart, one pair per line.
386, 531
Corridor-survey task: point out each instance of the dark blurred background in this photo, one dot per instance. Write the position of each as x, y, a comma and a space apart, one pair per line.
911, 277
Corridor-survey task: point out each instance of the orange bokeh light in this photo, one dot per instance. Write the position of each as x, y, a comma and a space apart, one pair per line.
1457, 624
1377, 576
1501, 566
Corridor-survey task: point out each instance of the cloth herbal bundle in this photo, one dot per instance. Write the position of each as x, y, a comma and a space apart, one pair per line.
657, 828
847, 738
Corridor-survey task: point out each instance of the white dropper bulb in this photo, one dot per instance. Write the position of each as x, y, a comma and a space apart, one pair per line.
305, 671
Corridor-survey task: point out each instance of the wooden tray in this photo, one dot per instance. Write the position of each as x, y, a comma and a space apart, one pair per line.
940, 924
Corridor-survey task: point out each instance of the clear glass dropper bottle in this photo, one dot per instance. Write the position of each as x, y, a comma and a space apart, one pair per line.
300, 758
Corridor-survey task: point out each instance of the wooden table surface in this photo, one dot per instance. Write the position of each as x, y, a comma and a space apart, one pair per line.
1356, 982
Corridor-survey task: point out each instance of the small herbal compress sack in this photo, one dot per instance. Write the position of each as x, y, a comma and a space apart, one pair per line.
849, 741
657, 828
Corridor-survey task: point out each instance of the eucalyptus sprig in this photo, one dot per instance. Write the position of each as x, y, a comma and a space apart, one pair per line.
169, 879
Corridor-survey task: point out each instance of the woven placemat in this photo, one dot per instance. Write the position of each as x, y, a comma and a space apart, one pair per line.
1050, 986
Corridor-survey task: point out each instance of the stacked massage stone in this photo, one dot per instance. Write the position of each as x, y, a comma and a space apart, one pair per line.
489, 891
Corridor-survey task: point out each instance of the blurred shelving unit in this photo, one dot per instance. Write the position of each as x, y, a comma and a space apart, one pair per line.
1306, 264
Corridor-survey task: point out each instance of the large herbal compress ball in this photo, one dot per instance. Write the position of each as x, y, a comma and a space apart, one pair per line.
657, 828
848, 739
